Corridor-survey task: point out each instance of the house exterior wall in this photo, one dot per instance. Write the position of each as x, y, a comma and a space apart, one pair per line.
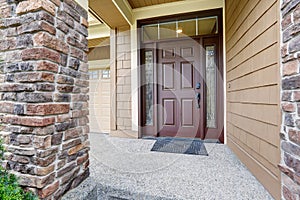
44, 94
252, 72
290, 131
121, 88
124, 60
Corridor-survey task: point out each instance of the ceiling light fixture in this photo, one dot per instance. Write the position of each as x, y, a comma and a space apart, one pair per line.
179, 30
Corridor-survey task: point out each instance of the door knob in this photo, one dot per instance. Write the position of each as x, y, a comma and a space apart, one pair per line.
198, 85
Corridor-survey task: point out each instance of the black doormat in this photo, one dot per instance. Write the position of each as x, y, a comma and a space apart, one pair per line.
180, 145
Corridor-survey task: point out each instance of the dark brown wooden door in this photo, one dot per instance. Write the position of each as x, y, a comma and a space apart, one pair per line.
180, 89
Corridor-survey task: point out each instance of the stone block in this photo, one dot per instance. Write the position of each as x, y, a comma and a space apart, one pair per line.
291, 83
46, 40
65, 88
30, 77
44, 162
286, 21
62, 97
63, 118
56, 139
37, 97
34, 5
294, 44
46, 66
296, 15
47, 109
6, 107
45, 87
69, 72
50, 189
291, 68
71, 143
61, 79
41, 54
290, 148
82, 159
288, 107
294, 136
72, 133
21, 159
42, 171
70, 11
15, 87
43, 153
42, 142
63, 126
66, 169
63, 16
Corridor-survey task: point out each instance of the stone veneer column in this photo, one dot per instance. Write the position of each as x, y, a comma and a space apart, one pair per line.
44, 94
290, 97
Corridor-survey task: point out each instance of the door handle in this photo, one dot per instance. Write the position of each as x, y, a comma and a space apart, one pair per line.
198, 98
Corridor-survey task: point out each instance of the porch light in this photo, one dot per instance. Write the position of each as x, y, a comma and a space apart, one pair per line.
179, 30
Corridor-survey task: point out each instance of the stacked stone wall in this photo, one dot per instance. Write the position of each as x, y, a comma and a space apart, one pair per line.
44, 94
290, 99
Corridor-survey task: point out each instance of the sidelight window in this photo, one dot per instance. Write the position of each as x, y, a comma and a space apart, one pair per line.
211, 86
149, 87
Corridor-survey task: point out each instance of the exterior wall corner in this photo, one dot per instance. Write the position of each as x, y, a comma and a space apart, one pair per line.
44, 94
290, 85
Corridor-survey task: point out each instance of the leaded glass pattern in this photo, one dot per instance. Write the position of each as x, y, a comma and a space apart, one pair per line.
149, 87
211, 89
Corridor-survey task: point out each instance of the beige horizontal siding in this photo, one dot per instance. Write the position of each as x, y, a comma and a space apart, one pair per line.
252, 72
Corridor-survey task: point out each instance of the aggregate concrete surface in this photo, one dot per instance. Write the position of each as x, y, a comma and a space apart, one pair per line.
127, 169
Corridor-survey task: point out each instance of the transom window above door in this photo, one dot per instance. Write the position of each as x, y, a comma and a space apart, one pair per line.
180, 28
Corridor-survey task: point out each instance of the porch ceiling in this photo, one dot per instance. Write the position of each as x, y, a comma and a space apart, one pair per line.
144, 3
108, 12
99, 42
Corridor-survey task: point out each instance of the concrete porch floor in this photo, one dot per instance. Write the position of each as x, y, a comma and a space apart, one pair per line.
127, 169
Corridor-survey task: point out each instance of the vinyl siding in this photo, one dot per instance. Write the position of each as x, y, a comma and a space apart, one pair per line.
252, 71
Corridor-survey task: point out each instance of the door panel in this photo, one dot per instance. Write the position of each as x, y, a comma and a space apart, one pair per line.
168, 53
169, 114
187, 110
187, 52
168, 76
187, 72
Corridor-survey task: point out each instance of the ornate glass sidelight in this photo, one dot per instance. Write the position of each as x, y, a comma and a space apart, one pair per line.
149, 87
211, 87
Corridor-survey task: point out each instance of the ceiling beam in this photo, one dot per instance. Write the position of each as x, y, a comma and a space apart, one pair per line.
98, 31
109, 13
125, 9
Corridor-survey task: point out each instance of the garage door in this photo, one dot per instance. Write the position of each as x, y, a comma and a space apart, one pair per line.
99, 104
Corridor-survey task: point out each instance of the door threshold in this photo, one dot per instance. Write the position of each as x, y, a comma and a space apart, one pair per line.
182, 138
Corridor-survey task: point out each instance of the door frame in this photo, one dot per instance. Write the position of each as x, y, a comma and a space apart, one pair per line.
152, 45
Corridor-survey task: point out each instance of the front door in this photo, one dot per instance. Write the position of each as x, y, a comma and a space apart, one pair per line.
181, 76
180, 89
